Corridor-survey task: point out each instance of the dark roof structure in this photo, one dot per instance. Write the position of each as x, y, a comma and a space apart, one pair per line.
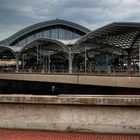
117, 35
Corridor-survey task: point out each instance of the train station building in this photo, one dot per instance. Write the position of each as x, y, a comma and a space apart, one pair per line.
79, 102
64, 46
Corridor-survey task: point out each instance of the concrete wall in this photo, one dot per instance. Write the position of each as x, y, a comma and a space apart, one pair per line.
115, 81
75, 114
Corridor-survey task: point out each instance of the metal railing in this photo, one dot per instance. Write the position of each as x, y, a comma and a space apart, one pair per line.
74, 71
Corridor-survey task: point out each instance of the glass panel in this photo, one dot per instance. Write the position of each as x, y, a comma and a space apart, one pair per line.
56, 32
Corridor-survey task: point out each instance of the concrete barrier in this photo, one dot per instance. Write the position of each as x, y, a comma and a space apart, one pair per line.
83, 79
103, 114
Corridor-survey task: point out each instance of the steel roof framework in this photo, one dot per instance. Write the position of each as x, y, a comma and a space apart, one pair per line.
121, 37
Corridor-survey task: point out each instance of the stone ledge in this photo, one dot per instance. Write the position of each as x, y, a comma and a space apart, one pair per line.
72, 100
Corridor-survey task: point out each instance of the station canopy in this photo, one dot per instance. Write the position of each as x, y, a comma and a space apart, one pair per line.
113, 47
124, 37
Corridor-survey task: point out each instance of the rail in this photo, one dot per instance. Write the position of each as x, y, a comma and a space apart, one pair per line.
60, 71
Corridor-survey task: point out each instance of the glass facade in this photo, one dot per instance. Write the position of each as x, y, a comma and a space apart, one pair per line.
54, 32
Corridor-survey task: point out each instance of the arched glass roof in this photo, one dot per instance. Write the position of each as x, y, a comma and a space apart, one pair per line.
10, 49
51, 44
35, 29
117, 35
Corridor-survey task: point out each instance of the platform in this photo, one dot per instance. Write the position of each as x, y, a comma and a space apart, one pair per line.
131, 81
45, 135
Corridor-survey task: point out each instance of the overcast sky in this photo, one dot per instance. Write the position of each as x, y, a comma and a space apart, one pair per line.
18, 14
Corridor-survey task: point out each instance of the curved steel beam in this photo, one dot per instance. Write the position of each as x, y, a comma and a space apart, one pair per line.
9, 49
110, 30
35, 42
41, 25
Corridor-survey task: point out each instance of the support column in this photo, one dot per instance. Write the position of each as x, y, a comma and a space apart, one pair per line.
43, 69
70, 61
85, 59
23, 62
17, 64
129, 62
37, 54
87, 48
139, 58
49, 61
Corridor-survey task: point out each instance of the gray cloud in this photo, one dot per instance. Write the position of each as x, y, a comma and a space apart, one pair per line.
18, 14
